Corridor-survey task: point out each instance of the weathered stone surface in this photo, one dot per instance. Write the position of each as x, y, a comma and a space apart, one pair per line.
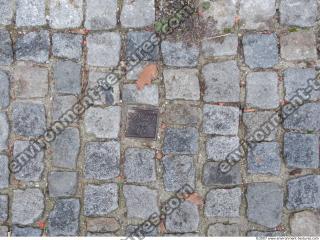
178, 171
139, 165
182, 84
181, 141
6, 53
4, 172
66, 14
33, 46
222, 46
262, 90
148, 95
305, 223
6, 12
223, 203
257, 14
223, 230
102, 160
179, 54
220, 120
218, 148
304, 192
139, 13
100, 200
65, 149
299, 45
260, 50
30, 81
103, 122
61, 104
27, 206
265, 234
291, 12
28, 118
212, 175
265, 203
30, 13
141, 202
4, 203
102, 225
101, 14
264, 158
134, 72
137, 230
182, 114
104, 49
4, 90
4, 131
64, 218
183, 219
33, 168
62, 184
301, 150
67, 45
25, 231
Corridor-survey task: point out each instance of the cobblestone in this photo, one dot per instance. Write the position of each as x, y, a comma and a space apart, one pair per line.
6, 53
305, 223
4, 231
66, 45
4, 131
4, 90
62, 184
223, 46
218, 148
102, 225
149, 95
136, 40
4, 172
181, 141
213, 176
30, 13
3, 208
25, 231
6, 12
223, 230
182, 114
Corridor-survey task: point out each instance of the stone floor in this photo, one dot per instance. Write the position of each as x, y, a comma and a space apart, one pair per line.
222, 73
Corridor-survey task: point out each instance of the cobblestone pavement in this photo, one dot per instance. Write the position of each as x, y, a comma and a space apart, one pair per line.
223, 73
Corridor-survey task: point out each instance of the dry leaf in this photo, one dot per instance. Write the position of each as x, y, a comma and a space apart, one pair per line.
149, 73
162, 227
159, 155
195, 198
221, 104
237, 19
249, 110
41, 224
163, 126
280, 228
82, 31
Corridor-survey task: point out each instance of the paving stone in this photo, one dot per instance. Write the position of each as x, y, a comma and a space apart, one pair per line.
6, 53
304, 192
305, 223
135, 41
179, 54
301, 150
104, 49
28, 118
264, 158
262, 90
30, 81
297, 78
212, 175
134, 72
220, 120
223, 203
102, 160
67, 45
182, 114
33, 46
65, 149
222, 46
101, 14
30, 13
27, 206
178, 171
4, 90
257, 14
61, 104
218, 148
25, 231
223, 230
6, 12
182, 84
265, 234
4, 131
4, 172
33, 168
299, 45
4, 231
139, 165
4, 203
291, 12
67, 77
148, 95
100, 200
265, 203
103, 122
139, 13
181, 141
62, 184
254, 121
64, 218
183, 219
141, 201
66, 14
260, 50
135, 230
102, 225
142, 123
306, 117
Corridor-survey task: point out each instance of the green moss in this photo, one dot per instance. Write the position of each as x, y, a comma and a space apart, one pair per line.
227, 30
205, 5
293, 29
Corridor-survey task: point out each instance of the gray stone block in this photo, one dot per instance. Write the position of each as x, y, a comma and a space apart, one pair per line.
102, 224
4, 172
223, 230
265, 234
6, 53
62, 184
25, 231
182, 114
4, 131
4, 90
6, 12
67, 45
4, 203
135, 230
265, 203
212, 175
219, 148
61, 105
4, 231
148, 95
305, 223
222, 46
30, 13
